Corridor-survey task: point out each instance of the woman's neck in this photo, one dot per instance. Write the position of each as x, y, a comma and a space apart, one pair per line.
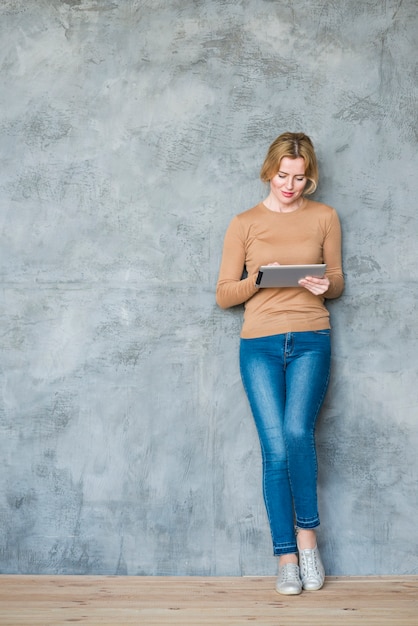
274, 205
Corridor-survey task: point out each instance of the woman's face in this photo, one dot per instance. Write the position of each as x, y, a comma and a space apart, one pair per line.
288, 184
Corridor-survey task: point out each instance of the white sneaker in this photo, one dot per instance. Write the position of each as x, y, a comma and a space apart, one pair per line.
311, 569
289, 582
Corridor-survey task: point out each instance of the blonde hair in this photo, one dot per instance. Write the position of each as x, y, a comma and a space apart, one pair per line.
293, 146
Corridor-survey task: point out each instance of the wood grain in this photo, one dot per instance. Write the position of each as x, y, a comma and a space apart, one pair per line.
190, 601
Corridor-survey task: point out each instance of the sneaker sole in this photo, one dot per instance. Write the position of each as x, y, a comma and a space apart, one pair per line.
289, 593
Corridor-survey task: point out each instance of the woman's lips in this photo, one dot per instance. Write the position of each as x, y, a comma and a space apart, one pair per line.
287, 194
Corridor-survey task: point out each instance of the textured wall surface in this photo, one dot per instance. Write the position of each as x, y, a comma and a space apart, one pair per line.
131, 132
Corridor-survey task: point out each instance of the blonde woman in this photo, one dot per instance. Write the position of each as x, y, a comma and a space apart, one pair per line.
285, 344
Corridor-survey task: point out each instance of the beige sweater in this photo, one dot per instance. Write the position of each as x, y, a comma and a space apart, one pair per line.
311, 234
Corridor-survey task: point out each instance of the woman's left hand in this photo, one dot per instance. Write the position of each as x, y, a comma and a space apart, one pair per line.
317, 286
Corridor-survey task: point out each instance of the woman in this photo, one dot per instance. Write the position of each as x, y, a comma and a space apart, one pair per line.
285, 344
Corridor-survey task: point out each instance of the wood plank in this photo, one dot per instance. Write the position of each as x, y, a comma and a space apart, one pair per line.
191, 601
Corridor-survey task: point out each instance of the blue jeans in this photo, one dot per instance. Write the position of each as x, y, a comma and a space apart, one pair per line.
285, 378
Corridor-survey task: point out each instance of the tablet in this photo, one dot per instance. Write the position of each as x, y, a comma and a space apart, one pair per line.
287, 275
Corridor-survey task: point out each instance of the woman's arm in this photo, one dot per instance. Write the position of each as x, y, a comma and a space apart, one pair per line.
332, 285
231, 288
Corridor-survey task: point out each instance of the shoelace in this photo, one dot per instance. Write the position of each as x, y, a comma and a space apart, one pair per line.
310, 563
289, 573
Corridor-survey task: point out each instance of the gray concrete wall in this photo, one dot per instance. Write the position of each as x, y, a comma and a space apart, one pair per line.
131, 133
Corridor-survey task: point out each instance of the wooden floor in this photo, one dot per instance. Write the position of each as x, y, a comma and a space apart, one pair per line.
119, 601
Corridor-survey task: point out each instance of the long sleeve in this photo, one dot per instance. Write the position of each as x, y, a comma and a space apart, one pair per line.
332, 257
258, 237
231, 288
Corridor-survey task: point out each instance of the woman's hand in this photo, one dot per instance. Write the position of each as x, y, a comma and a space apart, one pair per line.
317, 286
